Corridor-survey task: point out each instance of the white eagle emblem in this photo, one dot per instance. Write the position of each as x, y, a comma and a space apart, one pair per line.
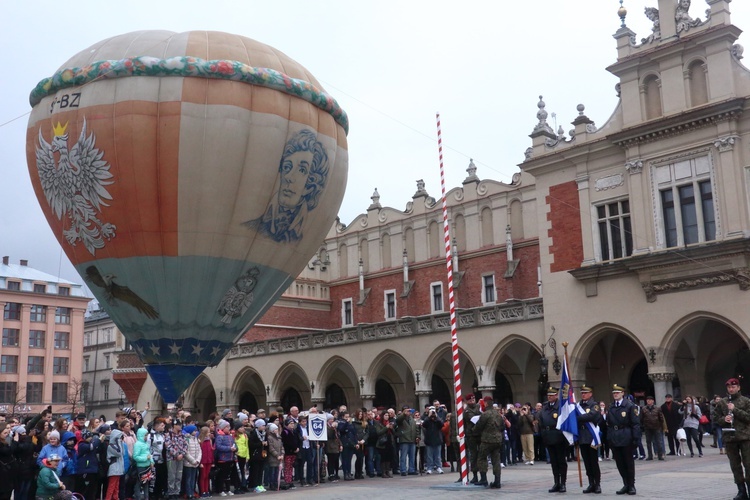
239, 297
75, 185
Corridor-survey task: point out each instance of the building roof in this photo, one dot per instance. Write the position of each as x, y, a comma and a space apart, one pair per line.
28, 275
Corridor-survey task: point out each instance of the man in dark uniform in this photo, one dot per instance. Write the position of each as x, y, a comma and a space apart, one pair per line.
491, 426
733, 412
471, 409
623, 432
589, 453
554, 440
671, 411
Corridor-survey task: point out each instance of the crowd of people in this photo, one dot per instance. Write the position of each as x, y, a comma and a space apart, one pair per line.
170, 456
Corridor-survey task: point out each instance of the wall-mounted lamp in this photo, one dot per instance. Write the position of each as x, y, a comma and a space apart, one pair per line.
221, 395
556, 364
480, 372
361, 382
652, 355
312, 386
416, 377
268, 390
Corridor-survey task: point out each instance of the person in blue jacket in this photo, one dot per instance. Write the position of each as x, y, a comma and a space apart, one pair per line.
87, 465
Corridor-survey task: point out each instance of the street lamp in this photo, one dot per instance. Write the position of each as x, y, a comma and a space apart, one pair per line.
121, 402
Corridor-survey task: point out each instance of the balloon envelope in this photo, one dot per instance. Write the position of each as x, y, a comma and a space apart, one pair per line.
189, 177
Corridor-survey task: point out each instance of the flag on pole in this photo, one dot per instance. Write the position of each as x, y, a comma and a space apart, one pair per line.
594, 429
567, 421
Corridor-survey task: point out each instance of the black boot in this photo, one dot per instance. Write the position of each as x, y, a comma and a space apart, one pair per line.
590, 488
563, 489
622, 490
473, 478
483, 480
556, 487
495, 483
741, 492
597, 487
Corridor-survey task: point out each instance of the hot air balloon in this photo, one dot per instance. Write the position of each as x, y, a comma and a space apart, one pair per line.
189, 177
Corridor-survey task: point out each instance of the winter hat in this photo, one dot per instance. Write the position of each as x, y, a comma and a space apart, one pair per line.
259, 423
189, 429
103, 428
53, 434
273, 427
242, 417
226, 412
223, 424
19, 429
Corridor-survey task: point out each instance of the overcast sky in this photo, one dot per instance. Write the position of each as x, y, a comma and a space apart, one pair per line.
391, 65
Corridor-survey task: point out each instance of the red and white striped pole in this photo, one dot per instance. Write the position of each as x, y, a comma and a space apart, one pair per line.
451, 300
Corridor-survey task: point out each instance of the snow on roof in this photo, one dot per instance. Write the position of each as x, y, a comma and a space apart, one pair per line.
28, 275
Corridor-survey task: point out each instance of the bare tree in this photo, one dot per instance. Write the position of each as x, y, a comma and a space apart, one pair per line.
16, 407
76, 396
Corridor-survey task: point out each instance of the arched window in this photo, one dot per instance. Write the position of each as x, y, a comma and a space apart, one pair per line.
385, 251
515, 216
343, 261
409, 244
364, 254
487, 236
652, 97
435, 238
459, 225
697, 83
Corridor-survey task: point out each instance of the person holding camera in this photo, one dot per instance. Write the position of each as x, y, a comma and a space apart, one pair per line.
432, 427
407, 432
692, 415
526, 431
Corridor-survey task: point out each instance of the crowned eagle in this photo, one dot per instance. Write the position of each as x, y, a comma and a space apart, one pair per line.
75, 184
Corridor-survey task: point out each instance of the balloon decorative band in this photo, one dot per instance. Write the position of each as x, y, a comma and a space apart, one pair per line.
186, 66
189, 351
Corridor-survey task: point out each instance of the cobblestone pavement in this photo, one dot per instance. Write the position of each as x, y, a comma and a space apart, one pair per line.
706, 478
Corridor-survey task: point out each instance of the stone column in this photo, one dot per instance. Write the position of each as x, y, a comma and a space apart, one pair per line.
424, 399
318, 403
367, 400
662, 385
486, 390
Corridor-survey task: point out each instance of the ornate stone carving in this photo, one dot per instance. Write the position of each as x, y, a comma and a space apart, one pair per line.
542, 126
725, 143
737, 51
682, 19
609, 182
634, 166
661, 377
740, 276
653, 14
528, 153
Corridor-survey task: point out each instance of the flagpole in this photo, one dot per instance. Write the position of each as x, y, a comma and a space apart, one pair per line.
578, 449
454, 334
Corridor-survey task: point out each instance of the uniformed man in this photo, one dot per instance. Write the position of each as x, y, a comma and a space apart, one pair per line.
589, 452
733, 412
491, 426
471, 409
554, 440
623, 432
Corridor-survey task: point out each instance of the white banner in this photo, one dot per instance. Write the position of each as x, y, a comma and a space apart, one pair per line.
316, 427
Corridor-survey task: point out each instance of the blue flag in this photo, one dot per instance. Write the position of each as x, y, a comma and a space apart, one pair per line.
567, 421
596, 440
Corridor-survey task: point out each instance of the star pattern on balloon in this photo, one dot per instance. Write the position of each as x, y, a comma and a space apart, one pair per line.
174, 349
197, 349
215, 351
155, 349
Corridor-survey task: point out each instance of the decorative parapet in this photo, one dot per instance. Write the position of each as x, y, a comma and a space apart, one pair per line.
740, 276
508, 312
